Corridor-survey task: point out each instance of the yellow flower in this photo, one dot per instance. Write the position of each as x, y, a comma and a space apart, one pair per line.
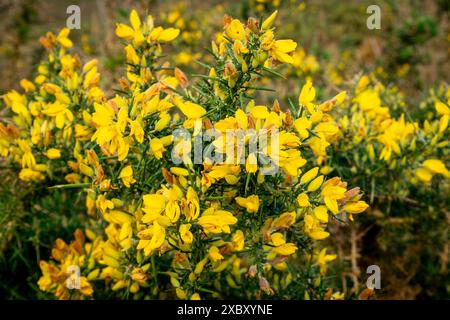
309, 175
315, 184
28, 174
268, 22
103, 115
424, 175
60, 112
251, 164
259, 112
303, 200
319, 234
63, 38
281, 48
185, 234
131, 33
189, 109
238, 240
307, 95
281, 247
443, 123
323, 258
172, 210
27, 85
179, 171
214, 254
217, 221
429, 168
302, 125
159, 34
190, 205
251, 203
331, 192
335, 101
355, 207
277, 239
151, 238
137, 131
53, 153
435, 166
321, 213
195, 296
285, 220
239, 48
235, 30
313, 229
285, 249
181, 294
164, 119
103, 204
157, 147
441, 108
126, 174
154, 204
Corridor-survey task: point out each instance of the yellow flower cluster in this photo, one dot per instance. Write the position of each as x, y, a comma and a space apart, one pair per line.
176, 227
376, 139
58, 279
49, 121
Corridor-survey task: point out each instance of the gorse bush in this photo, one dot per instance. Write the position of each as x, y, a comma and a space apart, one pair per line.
197, 186
399, 158
167, 226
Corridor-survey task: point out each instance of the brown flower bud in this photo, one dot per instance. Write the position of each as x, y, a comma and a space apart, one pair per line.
100, 173
251, 122
167, 176
181, 77
124, 84
264, 285
252, 271
77, 61
139, 275
230, 70
207, 124
253, 25
105, 185
226, 20
328, 294
366, 294
276, 106
148, 77
289, 120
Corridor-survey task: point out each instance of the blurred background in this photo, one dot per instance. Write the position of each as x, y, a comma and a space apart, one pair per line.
412, 46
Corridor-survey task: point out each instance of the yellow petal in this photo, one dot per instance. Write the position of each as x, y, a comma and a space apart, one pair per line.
309, 175
124, 31
315, 184
321, 213
135, 21
435, 166
285, 46
191, 110
307, 94
169, 34
318, 235
441, 108
268, 22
